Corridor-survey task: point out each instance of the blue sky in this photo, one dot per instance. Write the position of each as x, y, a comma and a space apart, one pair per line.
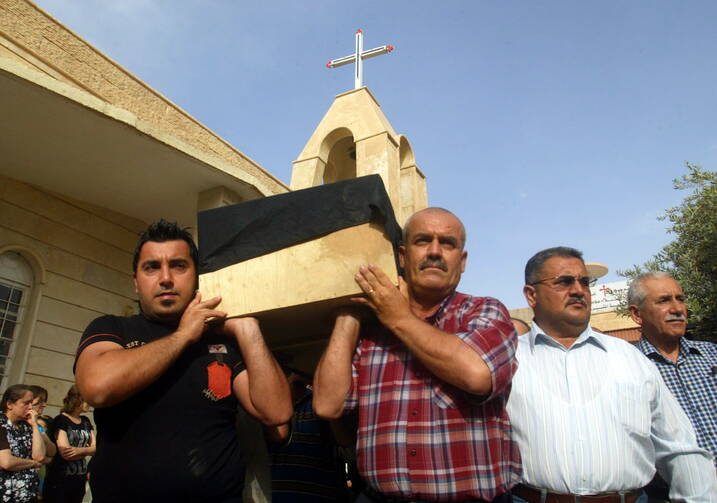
538, 123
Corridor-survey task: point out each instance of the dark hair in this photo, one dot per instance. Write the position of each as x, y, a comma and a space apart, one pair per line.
162, 231
38, 391
537, 261
72, 400
13, 394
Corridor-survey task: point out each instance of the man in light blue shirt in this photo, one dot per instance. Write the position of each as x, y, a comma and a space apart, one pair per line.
590, 413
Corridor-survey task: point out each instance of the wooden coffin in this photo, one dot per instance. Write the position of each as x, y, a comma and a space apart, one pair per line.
295, 290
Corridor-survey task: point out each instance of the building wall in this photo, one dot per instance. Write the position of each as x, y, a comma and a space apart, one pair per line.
30, 35
86, 254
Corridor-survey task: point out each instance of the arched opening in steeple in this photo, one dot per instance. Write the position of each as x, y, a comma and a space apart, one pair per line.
339, 150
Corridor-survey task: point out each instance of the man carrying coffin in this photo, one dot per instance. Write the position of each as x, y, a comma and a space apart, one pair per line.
165, 385
431, 381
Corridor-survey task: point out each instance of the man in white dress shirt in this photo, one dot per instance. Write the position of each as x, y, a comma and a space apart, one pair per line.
590, 413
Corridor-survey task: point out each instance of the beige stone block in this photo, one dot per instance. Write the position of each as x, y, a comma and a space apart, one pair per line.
55, 338
62, 314
307, 173
72, 266
49, 232
131, 224
610, 320
81, 294
61, 212
379, 155
50, 364
293, 291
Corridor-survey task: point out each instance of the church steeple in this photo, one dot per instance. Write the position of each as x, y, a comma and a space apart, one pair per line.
353, 139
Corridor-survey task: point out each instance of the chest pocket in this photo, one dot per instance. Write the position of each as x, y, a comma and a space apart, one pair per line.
630, 406
440, 397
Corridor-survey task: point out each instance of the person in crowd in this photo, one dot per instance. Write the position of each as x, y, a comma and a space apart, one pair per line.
430, 380
22, 449
39, 402
307, 468
591, 415
166, 384
73, 433
689, 368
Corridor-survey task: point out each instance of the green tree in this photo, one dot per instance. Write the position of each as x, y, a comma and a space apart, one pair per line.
692, 257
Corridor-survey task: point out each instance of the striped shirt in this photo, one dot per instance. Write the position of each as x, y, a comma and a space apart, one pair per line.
598, 418
423, 439
693, 381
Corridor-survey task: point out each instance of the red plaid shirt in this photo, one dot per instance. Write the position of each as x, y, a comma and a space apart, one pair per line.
421, 438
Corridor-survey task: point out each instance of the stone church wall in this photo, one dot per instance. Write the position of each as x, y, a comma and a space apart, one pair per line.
86, 253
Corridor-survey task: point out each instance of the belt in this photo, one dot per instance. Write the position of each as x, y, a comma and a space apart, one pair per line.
535, 495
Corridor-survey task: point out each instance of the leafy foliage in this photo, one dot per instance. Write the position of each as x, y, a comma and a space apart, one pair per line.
692, 257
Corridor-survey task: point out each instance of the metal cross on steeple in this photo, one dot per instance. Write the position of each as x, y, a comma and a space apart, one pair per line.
358, 58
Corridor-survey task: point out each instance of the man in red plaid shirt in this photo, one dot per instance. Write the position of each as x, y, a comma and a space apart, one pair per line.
431, 381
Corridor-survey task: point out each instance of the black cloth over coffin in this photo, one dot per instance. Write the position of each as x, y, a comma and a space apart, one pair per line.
233, 234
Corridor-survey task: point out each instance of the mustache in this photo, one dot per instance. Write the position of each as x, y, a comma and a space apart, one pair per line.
676, 317
429, 262
576, 300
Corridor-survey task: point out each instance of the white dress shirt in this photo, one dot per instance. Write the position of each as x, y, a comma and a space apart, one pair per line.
598, 418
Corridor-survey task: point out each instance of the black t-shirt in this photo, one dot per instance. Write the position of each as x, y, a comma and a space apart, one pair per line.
175, 440
78, 435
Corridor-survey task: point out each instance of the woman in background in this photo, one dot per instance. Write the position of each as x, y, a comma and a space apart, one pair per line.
39, 402
72, 432
21, 447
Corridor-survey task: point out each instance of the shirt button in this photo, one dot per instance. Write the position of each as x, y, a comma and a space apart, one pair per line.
414, 412
412, 452
418, 374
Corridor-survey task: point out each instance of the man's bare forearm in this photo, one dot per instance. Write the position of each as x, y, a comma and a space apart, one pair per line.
445, 355
107, 373
332, 379
268, 389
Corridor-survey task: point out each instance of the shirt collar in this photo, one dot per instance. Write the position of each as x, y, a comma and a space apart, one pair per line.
537, 336
433, 319
686, 347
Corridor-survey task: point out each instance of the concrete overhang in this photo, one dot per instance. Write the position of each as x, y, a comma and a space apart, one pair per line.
68, 141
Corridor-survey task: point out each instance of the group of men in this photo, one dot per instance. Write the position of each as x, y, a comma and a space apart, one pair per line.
452, 404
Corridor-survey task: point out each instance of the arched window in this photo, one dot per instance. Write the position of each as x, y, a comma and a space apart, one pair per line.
16, 280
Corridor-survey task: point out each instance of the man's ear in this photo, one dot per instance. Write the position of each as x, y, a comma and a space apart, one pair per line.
529, 292
464, 257
635, 314
134, 279
402, 256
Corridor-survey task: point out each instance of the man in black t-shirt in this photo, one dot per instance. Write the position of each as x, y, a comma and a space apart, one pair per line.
165, 386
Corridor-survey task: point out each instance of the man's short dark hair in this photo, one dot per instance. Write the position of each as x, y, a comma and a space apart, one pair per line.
162, 231
537, 261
